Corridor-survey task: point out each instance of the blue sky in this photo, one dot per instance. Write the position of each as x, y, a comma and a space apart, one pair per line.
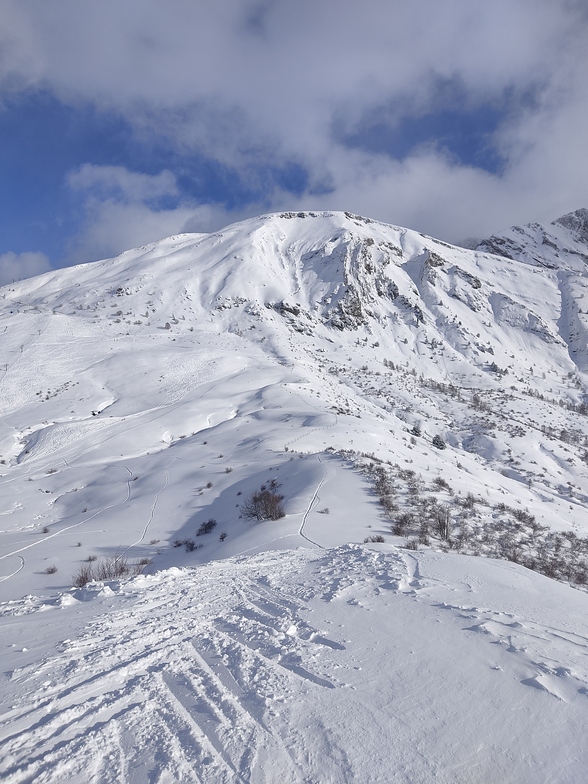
124, 123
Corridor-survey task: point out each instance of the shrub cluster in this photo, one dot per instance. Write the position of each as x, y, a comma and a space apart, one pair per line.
207, 527
108, 569
264, 504
470, 525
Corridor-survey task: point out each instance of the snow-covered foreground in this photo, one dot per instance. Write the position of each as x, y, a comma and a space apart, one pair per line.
343, 665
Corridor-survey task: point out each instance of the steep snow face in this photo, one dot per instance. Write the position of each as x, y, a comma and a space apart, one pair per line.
561, 248
577, 222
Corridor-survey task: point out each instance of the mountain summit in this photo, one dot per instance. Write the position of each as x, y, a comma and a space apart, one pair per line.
577, 222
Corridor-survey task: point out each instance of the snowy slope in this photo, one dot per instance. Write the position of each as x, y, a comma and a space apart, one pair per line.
331, 359
340, 666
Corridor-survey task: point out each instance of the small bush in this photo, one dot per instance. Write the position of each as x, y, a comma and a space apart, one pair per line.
374, 538
222, 536
263, 505
85, 574
424, 532
112, 569
91, 558
207, 527
441, 484
469, 502
109, 569
401, 523
439, 442
45, 530
209, 485
443, 522
50, 570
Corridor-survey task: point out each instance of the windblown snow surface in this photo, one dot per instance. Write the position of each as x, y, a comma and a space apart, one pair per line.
329, 359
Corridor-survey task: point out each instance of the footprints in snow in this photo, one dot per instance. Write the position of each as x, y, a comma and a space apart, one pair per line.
504, 630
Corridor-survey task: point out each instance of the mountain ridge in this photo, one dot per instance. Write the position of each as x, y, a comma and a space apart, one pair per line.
294, 319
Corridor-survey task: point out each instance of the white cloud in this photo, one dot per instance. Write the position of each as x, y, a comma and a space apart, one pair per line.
17, 266
119, 212
122, 184
247, 82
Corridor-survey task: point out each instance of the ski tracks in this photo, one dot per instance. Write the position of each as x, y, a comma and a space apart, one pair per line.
181, 684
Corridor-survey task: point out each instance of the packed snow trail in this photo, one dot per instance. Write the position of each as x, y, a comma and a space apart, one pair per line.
303, 666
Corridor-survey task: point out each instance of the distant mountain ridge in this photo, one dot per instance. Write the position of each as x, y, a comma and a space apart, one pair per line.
561, 244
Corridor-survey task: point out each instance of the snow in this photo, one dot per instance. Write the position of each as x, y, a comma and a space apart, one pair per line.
348, 664
317, 354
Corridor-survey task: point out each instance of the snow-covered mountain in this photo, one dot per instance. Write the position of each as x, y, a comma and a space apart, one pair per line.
375, 383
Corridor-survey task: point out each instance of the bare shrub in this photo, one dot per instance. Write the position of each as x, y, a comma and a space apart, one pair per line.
113, 568
263, 504
207, 527
401, 523
374, 538
85, 574
388, 504
442, 522
50, 570
469, 502
523, 516
439, 442
383, 485
424, 533
440, 484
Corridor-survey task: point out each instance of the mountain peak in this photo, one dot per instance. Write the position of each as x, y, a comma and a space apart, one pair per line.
576, 221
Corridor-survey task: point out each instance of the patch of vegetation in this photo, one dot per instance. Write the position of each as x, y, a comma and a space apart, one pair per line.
264, 504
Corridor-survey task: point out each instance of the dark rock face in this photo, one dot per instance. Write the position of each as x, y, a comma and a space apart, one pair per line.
576, 221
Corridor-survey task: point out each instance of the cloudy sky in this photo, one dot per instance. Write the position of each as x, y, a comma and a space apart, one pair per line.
123, 122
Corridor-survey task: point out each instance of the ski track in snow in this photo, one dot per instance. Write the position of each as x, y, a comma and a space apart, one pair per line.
67, 528
222, 675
